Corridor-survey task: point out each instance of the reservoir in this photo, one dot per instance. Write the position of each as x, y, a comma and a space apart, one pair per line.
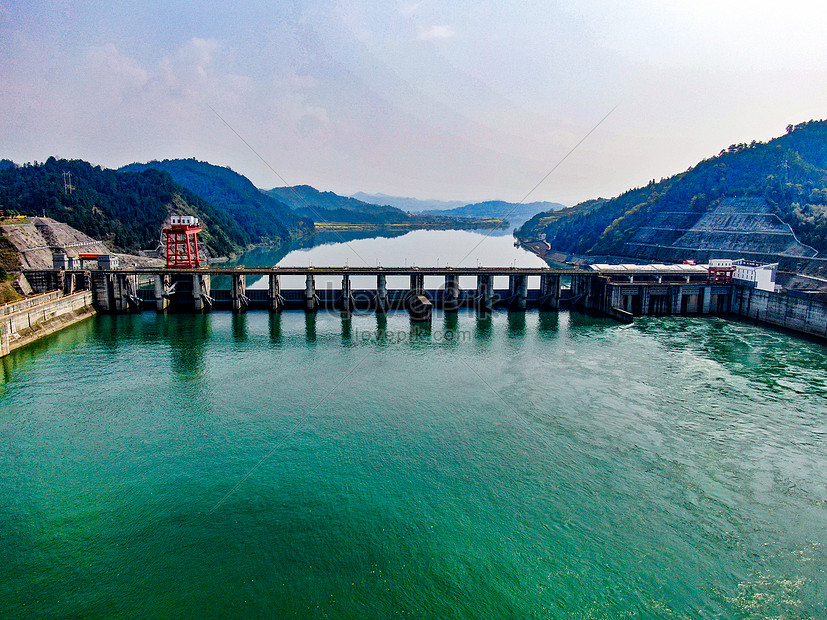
528, 465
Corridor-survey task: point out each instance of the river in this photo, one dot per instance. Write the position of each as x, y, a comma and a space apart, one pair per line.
528, 465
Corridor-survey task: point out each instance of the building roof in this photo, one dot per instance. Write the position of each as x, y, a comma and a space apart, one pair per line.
655, 269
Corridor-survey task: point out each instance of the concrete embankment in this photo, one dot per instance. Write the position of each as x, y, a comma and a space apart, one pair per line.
29, 320
807, 316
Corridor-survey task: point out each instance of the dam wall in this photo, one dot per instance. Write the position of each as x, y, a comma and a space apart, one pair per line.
797, 313
31, 319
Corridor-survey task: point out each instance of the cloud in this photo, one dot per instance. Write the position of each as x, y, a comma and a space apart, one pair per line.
409, 9
437, 32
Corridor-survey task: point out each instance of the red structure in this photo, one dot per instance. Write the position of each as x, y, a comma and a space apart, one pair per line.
181, 238
720, 271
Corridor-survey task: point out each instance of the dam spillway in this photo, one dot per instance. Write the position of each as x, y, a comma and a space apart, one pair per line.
680, 288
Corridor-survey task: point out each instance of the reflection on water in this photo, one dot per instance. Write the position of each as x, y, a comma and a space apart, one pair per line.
420, 247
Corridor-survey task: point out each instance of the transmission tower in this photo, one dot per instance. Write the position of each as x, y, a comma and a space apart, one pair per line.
67, 183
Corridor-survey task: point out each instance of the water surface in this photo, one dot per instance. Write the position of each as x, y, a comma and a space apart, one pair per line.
490, 466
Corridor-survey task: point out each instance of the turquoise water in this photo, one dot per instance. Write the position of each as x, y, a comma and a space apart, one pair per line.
500, 466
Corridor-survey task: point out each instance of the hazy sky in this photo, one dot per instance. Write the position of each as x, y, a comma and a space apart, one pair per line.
465, 100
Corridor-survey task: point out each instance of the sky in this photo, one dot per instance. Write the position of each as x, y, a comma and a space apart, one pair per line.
454, 100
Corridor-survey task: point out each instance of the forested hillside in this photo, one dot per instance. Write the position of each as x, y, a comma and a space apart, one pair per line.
514, 213
326, 208
786, 177
126, 209
261, 217
331, 207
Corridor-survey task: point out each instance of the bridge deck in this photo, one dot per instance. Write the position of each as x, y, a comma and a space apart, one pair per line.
354, 271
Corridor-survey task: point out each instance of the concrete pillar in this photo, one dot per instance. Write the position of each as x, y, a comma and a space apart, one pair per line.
275, 302
117, 285
417, 284
197, 299
706, 293
676, 299
451, 293
239, 292
382, 302
645, 297
517, 292
617, 300
549, 292
161, 284
346, 301
68, 283
485, 292
101, 291
311, 304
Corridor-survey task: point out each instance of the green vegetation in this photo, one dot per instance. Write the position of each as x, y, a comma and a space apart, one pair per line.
788, 173
126, 209
514, 213
262, 218
329, 209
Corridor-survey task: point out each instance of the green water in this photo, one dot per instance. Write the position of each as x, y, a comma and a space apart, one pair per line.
514, 466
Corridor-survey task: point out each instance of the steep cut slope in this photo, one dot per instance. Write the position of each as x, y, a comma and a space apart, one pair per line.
261, 217
762, 199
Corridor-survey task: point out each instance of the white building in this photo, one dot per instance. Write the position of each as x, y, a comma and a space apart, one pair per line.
755, 275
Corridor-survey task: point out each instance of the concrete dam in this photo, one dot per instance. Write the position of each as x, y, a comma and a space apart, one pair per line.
618, 291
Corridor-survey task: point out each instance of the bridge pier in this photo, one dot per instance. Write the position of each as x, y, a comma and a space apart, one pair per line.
549, 292
517, 292
101, 291
382, 303
485, 293
451, 294
346, 303
68, 282
417, 284
311, 302
275, 302
161, 285
239, 293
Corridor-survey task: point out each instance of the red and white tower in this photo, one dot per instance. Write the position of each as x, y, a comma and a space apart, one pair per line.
181, 241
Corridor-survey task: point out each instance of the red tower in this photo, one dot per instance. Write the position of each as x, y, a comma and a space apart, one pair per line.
181, 237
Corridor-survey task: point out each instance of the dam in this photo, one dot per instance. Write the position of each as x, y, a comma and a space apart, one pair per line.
653, 289
618, 291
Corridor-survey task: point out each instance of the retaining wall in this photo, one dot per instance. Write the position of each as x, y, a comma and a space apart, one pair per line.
808, 316
31, 319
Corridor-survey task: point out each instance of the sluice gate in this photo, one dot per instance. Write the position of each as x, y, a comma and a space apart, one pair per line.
677, 289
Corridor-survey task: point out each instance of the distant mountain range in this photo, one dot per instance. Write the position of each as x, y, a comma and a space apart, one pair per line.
411, 205
329, 207
514, 213
326, 208
758, 200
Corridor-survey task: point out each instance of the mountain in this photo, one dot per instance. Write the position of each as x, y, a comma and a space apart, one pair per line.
261, 217
514, 213
328, 209
758, 200
125, 209
411, 205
